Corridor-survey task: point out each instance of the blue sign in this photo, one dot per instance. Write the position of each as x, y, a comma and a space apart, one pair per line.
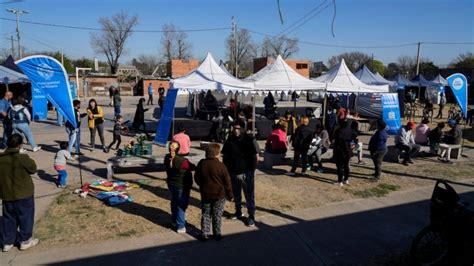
458, 84
49, 76
167, 116
39, 103
72, 87
391, 112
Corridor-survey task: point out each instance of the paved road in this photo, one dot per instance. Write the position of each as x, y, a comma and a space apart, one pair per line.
344, 233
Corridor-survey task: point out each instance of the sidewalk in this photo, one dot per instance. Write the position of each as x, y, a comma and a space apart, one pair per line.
340, 233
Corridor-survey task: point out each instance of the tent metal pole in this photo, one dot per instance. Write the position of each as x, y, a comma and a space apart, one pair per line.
325, 108
253, 115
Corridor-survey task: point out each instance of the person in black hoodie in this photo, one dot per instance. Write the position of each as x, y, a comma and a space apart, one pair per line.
74, 133
139, 119
342, 152
240, 157
300, 142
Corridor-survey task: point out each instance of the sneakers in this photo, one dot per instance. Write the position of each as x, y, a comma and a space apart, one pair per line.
181, 230
320, 170
339, 184
7, 248
37, 148
22, 150
28, 244
250, 222
236, 216
290, 174
345, 182
61, 186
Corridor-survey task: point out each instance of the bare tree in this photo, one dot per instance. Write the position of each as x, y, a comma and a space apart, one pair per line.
242, 52
282, 45
465, 60
175, 44
354, 60
111, 40
146, 64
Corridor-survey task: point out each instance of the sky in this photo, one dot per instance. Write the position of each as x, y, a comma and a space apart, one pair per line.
361, 23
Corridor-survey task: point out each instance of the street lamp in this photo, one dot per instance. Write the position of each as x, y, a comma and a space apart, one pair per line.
18, 13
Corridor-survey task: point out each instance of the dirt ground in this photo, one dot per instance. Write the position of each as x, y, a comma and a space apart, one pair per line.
74, 220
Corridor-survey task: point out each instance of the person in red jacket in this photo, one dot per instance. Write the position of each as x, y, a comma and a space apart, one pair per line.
277, 140
215, 186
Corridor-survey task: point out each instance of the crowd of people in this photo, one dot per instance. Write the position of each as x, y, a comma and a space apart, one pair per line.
218, 180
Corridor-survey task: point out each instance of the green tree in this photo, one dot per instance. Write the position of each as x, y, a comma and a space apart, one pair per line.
376, 66
465, 60
428, 68
392, 70
354, 60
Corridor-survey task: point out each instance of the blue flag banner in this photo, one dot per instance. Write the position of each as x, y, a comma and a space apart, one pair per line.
39, 103
72, 87
167, 116
458, 84
391, 112
50, 77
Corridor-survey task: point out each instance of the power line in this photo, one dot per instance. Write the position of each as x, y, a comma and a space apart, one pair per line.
303, 17
310, 18
99, 29
337, 46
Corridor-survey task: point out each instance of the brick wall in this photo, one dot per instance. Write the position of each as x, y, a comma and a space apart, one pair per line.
155, 83
178, 68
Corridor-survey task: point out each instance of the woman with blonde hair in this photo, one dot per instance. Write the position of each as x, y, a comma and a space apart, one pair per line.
300, 142
180, 181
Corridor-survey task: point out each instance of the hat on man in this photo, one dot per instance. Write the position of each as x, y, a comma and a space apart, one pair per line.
411, 125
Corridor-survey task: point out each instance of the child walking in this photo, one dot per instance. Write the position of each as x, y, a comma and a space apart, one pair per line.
116, 133
62, 156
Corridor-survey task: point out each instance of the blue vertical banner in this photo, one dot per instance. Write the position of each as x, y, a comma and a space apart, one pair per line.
49, 76
458, 84
391, 113
167, 116
39, 103
72, 87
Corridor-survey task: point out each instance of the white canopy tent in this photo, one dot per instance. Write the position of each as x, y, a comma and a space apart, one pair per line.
210, 76
341, 79
280, 77
8, 76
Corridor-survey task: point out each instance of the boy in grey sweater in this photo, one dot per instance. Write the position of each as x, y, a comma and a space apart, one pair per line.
60, 160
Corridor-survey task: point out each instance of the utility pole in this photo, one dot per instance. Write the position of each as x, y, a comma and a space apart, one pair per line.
13, 46
18, 13
234, 29
418, 59
62, 58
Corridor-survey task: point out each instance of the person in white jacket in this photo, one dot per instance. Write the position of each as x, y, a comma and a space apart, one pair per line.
406, 142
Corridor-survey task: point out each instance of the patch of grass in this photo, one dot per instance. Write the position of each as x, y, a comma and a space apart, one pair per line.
127, 233
380, 190
63, 198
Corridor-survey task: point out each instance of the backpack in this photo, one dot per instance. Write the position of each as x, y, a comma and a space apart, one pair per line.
314, 146
18, 116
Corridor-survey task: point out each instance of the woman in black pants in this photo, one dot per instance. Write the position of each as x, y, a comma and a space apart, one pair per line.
96, 123
342, 152
139, 119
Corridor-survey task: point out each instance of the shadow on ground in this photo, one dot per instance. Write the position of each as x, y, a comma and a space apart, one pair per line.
340, 240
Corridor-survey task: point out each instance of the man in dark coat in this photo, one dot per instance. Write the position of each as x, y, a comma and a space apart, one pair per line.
240, 157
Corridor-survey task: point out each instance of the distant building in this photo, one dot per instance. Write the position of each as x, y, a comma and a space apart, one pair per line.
177, 68
318, 69
301, 66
